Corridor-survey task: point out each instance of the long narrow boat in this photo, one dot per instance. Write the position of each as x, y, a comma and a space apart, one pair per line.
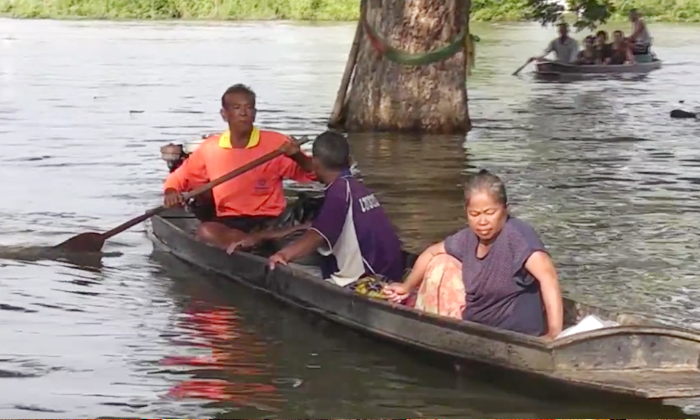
640, 358
547, 67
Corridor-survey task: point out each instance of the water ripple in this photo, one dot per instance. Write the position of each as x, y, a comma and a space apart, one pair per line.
609, 181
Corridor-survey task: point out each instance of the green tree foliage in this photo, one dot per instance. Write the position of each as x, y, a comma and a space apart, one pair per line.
589, 13
585, 13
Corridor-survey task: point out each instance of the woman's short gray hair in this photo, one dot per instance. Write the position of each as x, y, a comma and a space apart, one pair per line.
485, 181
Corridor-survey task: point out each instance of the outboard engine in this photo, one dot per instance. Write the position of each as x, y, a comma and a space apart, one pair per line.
201, 206
174, 155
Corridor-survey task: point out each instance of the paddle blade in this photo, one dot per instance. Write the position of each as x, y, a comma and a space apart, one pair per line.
515, 73
85, 242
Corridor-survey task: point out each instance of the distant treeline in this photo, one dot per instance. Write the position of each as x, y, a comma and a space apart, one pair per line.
319, 10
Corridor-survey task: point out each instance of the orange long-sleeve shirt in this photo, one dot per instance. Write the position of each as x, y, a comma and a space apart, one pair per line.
257, 192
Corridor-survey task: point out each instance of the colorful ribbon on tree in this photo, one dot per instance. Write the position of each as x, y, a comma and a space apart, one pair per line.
419, 59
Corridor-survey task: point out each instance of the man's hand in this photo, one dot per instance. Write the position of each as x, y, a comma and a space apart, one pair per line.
278, 258
290, 148
248, 241
173, 198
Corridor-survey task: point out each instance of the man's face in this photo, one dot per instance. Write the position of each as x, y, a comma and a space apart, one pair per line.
563, 31
239, 110
318, 168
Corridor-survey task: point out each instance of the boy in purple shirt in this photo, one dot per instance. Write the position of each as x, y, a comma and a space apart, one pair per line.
351, 230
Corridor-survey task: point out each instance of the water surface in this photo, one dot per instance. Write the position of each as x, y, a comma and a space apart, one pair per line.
609, 181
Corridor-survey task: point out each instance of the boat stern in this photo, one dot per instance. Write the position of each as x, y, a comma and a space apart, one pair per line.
650, 362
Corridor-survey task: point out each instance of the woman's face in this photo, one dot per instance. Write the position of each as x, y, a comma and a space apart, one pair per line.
617, 37
601, 39
486, 216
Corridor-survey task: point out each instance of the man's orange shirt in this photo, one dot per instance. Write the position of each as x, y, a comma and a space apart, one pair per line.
257, 192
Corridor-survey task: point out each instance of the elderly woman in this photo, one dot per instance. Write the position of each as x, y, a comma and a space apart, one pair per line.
509, 280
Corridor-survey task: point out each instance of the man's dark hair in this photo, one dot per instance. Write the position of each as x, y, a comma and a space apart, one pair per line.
332, 149
238, 88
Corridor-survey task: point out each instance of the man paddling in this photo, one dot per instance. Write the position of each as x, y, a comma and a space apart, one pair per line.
253, 198
351, 229
564, 47
640, 38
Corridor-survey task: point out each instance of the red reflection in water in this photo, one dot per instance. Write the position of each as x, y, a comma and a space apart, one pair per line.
233, 352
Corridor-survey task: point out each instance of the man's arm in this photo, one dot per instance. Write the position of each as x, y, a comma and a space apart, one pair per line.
193, 171
303, 246
303, 161
638, 28
546, 52
325, 230
574, 50
280, 233
295, 164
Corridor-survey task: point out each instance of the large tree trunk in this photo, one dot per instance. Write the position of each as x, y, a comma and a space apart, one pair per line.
387, 96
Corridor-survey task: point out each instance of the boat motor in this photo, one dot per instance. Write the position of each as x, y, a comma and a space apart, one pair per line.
174, 155
201, 206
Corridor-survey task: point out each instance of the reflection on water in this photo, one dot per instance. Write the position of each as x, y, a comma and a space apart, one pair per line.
609, 181
83, 260
234, 367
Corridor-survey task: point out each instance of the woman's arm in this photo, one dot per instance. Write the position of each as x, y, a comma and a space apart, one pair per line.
541, 266
415, 278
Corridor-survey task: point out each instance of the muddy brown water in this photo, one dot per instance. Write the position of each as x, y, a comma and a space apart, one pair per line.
610, 182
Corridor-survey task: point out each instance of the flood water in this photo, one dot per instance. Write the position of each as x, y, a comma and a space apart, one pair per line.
608, 179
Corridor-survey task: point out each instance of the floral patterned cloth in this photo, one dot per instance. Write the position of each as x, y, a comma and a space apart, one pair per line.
442, 291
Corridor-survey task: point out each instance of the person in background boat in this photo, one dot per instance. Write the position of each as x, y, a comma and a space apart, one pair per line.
509, 278
253, 198
640, 39
589, 54
564, 47
621, 51
603, 48
351, 229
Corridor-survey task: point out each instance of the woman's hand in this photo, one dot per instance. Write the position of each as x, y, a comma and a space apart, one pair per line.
396, 292
550, 336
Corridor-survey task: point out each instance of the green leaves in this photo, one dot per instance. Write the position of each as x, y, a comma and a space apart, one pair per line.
588, 14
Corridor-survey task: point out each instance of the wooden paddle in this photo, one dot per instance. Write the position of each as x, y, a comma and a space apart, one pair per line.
515, 73
93, 241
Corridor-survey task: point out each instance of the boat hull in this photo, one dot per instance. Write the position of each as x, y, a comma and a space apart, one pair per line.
639, 359
553, 67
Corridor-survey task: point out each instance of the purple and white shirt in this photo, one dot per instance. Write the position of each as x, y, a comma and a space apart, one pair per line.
359, 237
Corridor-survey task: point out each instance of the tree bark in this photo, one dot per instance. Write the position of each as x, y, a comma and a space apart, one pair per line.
391, 97
338, 112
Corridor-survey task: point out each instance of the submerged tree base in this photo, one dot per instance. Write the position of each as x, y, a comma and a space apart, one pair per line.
409, 70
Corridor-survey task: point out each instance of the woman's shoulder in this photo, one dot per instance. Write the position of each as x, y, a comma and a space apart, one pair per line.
521, 229
523, 240
462, 235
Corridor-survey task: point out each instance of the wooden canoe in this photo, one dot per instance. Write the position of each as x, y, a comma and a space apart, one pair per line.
640, 358
547, 67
